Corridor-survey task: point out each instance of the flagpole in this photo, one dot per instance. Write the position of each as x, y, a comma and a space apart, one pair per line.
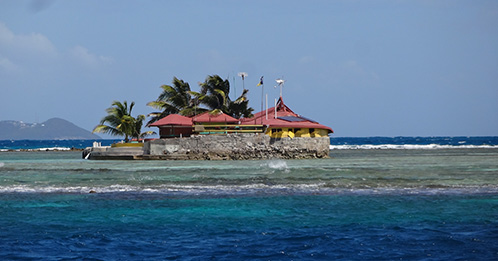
243, 75
262, 100
262, 96
266, 109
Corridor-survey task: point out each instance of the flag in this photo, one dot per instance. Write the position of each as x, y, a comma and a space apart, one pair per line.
260, 81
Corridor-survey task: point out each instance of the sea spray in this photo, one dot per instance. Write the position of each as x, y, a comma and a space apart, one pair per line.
277, 165
408, 147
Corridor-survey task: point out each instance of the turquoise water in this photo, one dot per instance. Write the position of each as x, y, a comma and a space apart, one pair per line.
432, 204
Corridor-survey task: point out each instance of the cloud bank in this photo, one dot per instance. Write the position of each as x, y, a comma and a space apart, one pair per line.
26, 52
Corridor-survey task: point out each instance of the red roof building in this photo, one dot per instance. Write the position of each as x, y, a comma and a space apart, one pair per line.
220, 118
174, 125
277, 122
173, 119
281, 121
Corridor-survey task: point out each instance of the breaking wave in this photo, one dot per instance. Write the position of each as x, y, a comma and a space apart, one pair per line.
253, 190
414, 143
408, 147
277, 164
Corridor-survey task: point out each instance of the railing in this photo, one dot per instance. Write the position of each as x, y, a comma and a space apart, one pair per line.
227, 128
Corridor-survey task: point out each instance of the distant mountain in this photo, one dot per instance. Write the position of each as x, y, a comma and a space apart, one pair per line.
53, 129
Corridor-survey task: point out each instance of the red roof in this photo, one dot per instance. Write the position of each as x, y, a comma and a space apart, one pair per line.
173, 119
285, 118
218, 118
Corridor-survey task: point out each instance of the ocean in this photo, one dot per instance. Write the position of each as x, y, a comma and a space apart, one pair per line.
377, 198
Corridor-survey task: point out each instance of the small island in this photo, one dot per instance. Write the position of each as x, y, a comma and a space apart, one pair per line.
225, 130
52, 129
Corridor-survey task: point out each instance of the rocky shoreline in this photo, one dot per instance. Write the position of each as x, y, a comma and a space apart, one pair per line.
218, 147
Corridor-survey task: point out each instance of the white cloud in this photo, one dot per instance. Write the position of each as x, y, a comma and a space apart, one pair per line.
29, 44
7, 66
6, 36
81, 54
34, 51
36, 43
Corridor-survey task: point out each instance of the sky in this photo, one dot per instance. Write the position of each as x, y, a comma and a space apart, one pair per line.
364, 68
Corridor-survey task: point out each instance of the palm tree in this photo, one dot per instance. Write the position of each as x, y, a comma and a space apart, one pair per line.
138, 134
215, 96
240, 107
174, 98
119, 122
214, 93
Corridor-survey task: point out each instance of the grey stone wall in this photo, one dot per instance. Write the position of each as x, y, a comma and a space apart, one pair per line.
236, 146
109, 153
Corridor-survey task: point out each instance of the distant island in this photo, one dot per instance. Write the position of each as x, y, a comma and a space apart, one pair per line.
52, 129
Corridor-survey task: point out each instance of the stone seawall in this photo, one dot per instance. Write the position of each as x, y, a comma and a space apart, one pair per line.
236, 147
109, 153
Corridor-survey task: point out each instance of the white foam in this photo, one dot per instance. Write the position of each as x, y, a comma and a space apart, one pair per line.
251, 189
39, 149
408, 147
278, 164
52, 149
188, 189
55, 189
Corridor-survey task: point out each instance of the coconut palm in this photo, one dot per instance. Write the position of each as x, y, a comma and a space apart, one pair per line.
214, 93
240, 107
138, 134
175, 98
119, 122
215, 96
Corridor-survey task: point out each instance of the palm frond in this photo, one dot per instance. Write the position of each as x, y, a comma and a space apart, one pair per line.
107, 130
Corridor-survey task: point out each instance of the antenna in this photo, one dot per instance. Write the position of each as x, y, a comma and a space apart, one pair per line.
280, 83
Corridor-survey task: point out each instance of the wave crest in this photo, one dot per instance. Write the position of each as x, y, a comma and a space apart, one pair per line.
252, 189
409, 147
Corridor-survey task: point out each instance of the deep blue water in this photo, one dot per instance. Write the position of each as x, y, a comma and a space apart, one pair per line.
410, 202
325, 227
334, 141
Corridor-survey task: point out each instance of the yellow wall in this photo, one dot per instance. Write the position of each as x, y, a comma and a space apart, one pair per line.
321, 133
295, 132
